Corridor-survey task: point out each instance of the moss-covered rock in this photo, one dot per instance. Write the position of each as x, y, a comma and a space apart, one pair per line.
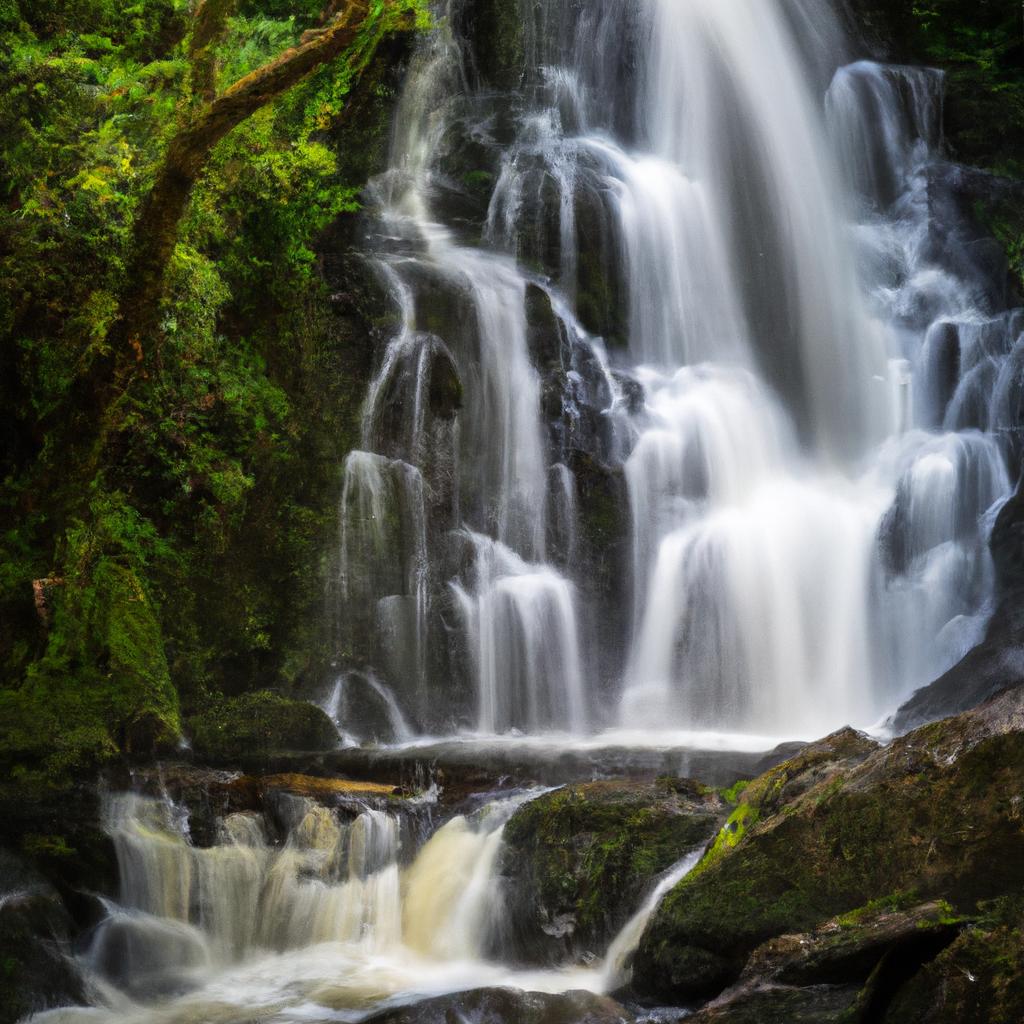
496, 31
579, 859
938, 813
979, 978
240, 728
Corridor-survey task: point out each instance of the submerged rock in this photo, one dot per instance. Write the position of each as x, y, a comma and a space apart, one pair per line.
505, 1005
938, 813
579, 860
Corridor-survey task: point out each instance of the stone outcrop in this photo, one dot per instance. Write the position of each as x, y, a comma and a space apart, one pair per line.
579, 860
939, 813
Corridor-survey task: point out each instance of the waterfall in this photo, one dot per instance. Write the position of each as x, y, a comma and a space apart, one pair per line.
307, 909
692, 250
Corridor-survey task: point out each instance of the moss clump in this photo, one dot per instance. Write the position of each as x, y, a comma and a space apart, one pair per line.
102, 684
259, 723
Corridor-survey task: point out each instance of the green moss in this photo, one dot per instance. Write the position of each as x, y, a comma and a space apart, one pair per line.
744, 817
46, 847
590, 851
257, 724
940, 824
731, 795
893, 902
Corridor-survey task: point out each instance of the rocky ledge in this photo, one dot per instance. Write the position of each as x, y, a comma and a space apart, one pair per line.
861, 883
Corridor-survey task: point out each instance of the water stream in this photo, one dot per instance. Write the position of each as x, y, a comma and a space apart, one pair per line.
345, 913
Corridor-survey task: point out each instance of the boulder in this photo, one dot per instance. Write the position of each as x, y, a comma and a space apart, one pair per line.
504, 1005
938, 813
978, 978
236, 729
579, 860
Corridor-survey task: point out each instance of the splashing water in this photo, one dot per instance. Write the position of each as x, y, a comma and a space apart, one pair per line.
332, 921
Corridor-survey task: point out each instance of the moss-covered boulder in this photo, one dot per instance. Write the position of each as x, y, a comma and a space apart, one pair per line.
979, 978
254, 724
579, 860
938, 812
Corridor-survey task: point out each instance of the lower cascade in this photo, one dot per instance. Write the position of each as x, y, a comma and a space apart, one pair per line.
348, 911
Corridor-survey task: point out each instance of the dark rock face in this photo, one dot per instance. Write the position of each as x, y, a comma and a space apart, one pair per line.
989, 668
937, 813
36, 972
579, 860
503, 1006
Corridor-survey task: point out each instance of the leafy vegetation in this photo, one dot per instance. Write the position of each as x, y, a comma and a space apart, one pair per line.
178, 558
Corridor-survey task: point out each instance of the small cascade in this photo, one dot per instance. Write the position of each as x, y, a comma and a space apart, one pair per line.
885, 122
521, 632
307, 910
360, 701
616, 970
383, 598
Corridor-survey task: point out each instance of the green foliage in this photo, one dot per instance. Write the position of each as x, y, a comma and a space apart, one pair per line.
189, 547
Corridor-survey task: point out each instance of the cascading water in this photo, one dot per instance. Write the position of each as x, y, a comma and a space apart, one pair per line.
705, 287
331, 922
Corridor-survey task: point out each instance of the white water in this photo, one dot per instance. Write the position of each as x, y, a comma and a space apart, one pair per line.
332, 924
808, 402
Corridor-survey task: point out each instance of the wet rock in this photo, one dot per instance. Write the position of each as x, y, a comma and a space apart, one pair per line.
504, 1005
937, 812
579, 860
780, 1004
444, 395
988, 669
36, 971
259, 723
544, 333
211, 794
848, 948
496, 32
979, 978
